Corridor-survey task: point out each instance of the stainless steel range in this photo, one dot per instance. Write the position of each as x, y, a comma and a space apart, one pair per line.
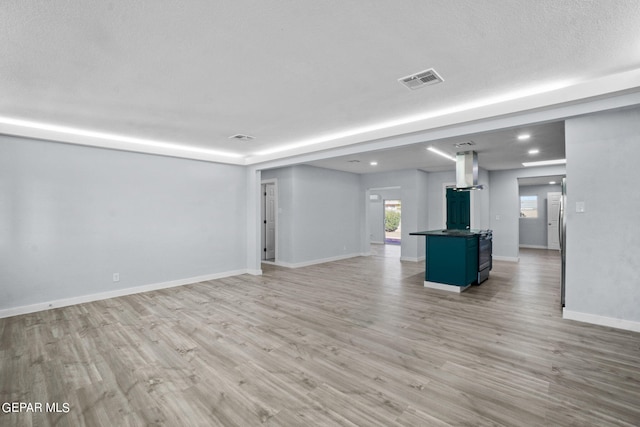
485, 248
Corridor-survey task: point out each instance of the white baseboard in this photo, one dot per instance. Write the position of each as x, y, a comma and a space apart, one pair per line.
317, 261
445, 287
64, 302
377, 243
595, 319
506, 258
533, 247
412, 259
257, 272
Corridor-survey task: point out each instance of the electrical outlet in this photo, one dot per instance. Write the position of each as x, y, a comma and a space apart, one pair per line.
116, 277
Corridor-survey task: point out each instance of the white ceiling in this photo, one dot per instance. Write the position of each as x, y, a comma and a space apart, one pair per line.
179, 78
496, 150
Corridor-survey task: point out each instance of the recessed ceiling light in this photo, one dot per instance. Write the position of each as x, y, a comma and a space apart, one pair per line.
546, 163
534, 151
373, 163
441, 153
552, 182
524, 136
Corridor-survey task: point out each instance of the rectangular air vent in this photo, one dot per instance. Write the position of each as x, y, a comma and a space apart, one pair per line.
464, 144
242, 137
421, 79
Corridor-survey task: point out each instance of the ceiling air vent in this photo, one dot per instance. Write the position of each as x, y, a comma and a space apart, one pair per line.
242, 137
423, 78
464, 144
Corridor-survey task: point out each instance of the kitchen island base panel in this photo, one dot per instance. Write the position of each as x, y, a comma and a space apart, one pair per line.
443, 287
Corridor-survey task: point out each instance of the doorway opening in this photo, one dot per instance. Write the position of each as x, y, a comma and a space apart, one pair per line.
268, 226
470, 206
542, 221
393, 222
458, 210
539, 204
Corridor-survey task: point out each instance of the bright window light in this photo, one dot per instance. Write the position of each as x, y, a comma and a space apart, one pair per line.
441, 153
545, 163
528, 206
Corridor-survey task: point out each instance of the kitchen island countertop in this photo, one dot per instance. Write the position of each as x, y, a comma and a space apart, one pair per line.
452, 233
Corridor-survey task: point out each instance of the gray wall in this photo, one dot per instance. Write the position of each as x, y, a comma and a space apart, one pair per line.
71, 216
505, 206
533, 231
603, 247
319, 213
482, 201
423, 199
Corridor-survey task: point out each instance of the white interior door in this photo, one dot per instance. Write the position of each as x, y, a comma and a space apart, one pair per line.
270, 221
553, 220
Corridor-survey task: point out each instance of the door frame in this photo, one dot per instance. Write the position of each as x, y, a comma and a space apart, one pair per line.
368, 221
384, 219
273, 181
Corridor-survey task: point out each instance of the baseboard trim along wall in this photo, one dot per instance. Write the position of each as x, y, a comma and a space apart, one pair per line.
533, 247
506, 258
318, 261
595, 319
412, 259
48, 305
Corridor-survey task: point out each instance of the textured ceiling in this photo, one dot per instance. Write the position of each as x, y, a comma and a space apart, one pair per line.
305, 75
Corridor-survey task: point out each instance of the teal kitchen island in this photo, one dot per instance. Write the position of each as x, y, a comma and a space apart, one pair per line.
456, 259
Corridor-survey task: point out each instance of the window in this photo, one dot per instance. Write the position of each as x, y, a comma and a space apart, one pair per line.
528, 206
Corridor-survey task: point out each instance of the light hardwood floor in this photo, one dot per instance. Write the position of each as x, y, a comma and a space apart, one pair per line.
352, 342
